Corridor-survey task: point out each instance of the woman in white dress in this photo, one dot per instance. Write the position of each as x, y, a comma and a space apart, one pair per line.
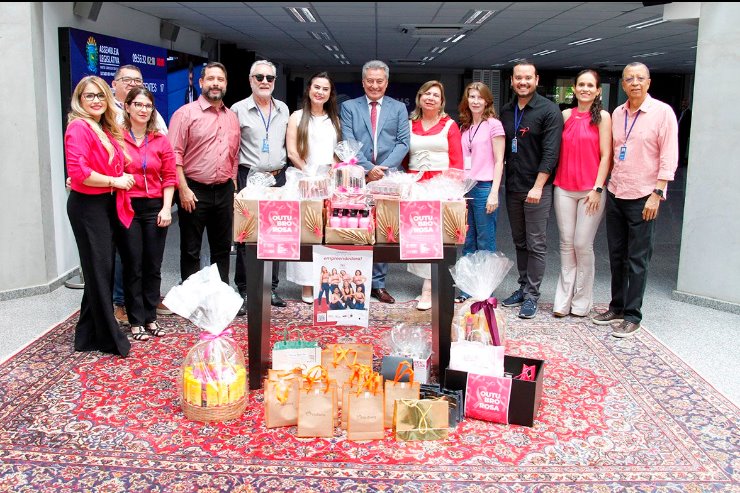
313, 133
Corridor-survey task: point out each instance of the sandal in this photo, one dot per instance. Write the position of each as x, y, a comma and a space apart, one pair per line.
461, 299
138, 333
154, 329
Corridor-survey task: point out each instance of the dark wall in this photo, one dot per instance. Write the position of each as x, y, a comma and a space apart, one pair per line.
237, 62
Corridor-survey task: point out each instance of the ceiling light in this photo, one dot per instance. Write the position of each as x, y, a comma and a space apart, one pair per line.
647, 23
498, 65
454, 39
544, 52
442, 50
645, 55
435, 49
320, 35
308, 15
341, 55
584, 41
296, 15
331, 47
517, 60
573, 66
428, 58
477, 16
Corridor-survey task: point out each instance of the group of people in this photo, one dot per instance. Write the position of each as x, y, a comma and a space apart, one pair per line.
124, 175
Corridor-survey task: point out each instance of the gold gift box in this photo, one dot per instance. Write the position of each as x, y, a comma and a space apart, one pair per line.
246, 212
454, 221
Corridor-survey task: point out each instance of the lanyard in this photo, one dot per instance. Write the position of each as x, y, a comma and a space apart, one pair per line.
471, 137
517, 118
626, 117
269, 117
143, 160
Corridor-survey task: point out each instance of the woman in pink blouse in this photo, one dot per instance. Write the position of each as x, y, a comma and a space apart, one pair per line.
483, 142
585, 152
97, 205
434, 147
142, 245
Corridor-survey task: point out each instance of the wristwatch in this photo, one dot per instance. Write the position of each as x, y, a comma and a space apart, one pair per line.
598, 189
658, 192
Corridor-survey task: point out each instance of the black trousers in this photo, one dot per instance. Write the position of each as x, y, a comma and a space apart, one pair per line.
240, 268
529, 231
94, 220
214, 211
630, 240
142, 249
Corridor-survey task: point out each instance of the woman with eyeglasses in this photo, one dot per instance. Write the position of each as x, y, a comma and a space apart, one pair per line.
578, 198
313, 133
97, 206
142, 245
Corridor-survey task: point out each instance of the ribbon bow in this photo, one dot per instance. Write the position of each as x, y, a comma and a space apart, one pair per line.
346, 163
370, 383
390, 234
316, 375
527, 374
488, 307
340, 354
210, 336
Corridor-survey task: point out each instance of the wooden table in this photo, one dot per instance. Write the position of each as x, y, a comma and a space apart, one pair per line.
259, 276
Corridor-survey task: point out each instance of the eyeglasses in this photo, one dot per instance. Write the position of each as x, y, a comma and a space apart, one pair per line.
261, 77
142, 106
630, 80
91, 96
131, 81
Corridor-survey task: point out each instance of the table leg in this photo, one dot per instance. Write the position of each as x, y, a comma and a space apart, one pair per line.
443, 309
258, 315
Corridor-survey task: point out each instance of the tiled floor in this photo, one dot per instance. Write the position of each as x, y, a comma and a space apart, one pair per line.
703, 337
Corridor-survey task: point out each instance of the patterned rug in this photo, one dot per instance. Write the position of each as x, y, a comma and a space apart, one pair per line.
615, 415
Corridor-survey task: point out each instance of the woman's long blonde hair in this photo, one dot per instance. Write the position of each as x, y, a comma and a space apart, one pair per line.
108, 120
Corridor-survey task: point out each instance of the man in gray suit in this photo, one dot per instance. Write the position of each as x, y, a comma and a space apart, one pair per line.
382, 125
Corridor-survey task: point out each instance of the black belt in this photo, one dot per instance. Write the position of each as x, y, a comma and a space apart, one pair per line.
196, 184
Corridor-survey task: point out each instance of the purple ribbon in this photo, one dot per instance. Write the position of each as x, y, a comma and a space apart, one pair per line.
488, 307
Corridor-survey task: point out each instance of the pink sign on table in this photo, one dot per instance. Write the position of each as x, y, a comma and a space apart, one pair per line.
487, 398
279, 230
421, 229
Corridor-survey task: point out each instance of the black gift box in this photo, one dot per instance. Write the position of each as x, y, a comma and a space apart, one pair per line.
525, 395
389, 365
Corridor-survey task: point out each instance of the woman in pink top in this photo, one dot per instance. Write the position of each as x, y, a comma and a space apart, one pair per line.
579, 199
142, 245
483, 142
97, 205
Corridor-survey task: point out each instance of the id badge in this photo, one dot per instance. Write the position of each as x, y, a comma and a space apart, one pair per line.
265, 145
622, 153
468, 162
513, 144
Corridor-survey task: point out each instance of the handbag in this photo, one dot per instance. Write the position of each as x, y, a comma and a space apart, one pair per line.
295, 353
477, 357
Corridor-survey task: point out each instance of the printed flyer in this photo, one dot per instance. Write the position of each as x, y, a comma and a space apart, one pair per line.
421, 229
342, 279
279, 230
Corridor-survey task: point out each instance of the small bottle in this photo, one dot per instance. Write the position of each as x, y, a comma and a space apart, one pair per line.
364, 220
344, 218
335, 220
353, 221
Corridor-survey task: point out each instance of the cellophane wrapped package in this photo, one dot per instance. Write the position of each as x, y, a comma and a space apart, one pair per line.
479, 274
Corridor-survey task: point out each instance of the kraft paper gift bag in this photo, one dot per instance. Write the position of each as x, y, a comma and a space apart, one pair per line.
398, 389
339, 358
281, 399
365, 415
317, 405
362, 376
421, 420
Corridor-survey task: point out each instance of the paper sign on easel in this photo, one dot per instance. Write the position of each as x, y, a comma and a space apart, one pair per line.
421, 229
279, 230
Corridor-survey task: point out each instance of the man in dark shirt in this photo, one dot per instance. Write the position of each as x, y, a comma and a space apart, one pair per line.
533, 126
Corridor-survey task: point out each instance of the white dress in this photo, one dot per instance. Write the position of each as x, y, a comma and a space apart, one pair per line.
322, 140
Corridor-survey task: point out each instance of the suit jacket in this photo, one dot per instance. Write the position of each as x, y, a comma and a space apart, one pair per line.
393, 131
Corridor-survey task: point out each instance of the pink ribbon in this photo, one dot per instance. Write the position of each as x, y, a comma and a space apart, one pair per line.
210, 336
488, 310
245, 212
347, 163
527, 374
317, 232
460, 235
389, 234
241, 237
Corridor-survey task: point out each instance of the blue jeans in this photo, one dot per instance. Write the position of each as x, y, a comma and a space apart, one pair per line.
481, 233
118, 298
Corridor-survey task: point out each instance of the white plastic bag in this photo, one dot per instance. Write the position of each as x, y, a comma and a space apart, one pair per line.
477, 357
205, 300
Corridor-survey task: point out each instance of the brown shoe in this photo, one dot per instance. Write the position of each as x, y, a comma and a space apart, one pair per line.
625, 329
382, 295
120, 314
163, 310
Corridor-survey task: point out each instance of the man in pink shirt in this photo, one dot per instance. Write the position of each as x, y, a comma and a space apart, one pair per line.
205, 139
645, 143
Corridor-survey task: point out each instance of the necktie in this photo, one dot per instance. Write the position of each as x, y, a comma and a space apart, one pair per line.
374, 116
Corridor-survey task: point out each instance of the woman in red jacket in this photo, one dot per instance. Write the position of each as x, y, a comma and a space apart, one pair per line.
97, 205
153, 168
